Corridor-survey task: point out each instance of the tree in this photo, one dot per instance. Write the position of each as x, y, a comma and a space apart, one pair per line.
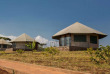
31, 45
5, 38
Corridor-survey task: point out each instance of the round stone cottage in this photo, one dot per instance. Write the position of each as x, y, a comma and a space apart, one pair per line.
78, 37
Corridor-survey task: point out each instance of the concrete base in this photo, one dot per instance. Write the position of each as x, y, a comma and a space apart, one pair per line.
72, 48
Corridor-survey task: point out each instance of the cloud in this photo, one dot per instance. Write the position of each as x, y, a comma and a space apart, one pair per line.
11, 36
41, 39
46, 41
38, 38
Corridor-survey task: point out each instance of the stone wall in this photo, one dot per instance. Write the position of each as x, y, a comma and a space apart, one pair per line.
75, 48
72, 48
64, 48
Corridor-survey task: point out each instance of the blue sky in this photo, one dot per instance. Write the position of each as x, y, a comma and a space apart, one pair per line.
46, 17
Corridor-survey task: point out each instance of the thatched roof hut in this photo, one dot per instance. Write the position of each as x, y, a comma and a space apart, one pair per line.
4, 44
23, 38
21, 41
80, 36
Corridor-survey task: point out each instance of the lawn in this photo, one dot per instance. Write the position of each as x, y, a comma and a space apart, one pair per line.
71, 60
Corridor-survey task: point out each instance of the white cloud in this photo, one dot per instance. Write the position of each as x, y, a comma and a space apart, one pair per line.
41, 39
11, 36
46, 41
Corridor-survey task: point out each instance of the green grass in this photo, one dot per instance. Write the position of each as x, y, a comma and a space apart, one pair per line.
74, 60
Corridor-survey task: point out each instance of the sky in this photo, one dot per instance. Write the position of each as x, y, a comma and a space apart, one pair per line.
46, 17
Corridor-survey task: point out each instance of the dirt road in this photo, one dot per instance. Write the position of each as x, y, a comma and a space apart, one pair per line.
34, 69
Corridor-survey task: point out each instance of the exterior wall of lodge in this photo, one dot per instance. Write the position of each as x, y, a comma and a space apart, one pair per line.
4, 48
19, 45
79, 45
22, 45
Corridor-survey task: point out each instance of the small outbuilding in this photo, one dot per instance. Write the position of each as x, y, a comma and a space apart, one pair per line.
78, 37
21, 41
4, 44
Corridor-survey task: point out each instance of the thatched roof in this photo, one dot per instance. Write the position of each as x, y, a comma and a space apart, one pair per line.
23, 38
2, 41
78, 28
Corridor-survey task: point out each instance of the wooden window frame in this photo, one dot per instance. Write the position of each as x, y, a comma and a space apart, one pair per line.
78, 39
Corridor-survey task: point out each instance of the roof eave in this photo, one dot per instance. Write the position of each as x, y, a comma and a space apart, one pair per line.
100, 35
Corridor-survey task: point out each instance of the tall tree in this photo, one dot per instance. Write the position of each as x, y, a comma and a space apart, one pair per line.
5, 38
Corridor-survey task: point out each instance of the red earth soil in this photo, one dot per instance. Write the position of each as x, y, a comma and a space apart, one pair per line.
25, 68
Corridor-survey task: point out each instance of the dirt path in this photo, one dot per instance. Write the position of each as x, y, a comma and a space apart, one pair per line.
34, 69
3, 72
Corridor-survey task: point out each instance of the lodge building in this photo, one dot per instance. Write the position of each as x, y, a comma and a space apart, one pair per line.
4, 44
21, 41
78, 37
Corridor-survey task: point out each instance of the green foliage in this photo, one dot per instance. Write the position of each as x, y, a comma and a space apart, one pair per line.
41, 49
34, 50
31, 45
52, 50
3, 52
101, 55
20, 51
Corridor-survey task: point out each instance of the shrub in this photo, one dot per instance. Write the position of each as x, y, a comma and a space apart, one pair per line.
101, 55
34, 50
41, 49
32, 46
52, 51
3, 52
20, 51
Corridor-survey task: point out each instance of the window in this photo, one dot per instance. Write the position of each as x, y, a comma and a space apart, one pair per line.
67, 41
79, 38
4, 46
62, 41
14, 45
93, 39
0, 45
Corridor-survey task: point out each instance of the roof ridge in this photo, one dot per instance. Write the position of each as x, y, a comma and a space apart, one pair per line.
25, 36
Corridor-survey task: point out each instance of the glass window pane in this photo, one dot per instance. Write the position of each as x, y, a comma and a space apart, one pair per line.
93, 39
67, 41
80, 38
14, 45
62, 41
4, 46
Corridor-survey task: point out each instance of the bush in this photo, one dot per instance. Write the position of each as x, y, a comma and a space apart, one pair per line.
52, 51
20, 51
3, 52
32, 46
41, 49
101, 55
